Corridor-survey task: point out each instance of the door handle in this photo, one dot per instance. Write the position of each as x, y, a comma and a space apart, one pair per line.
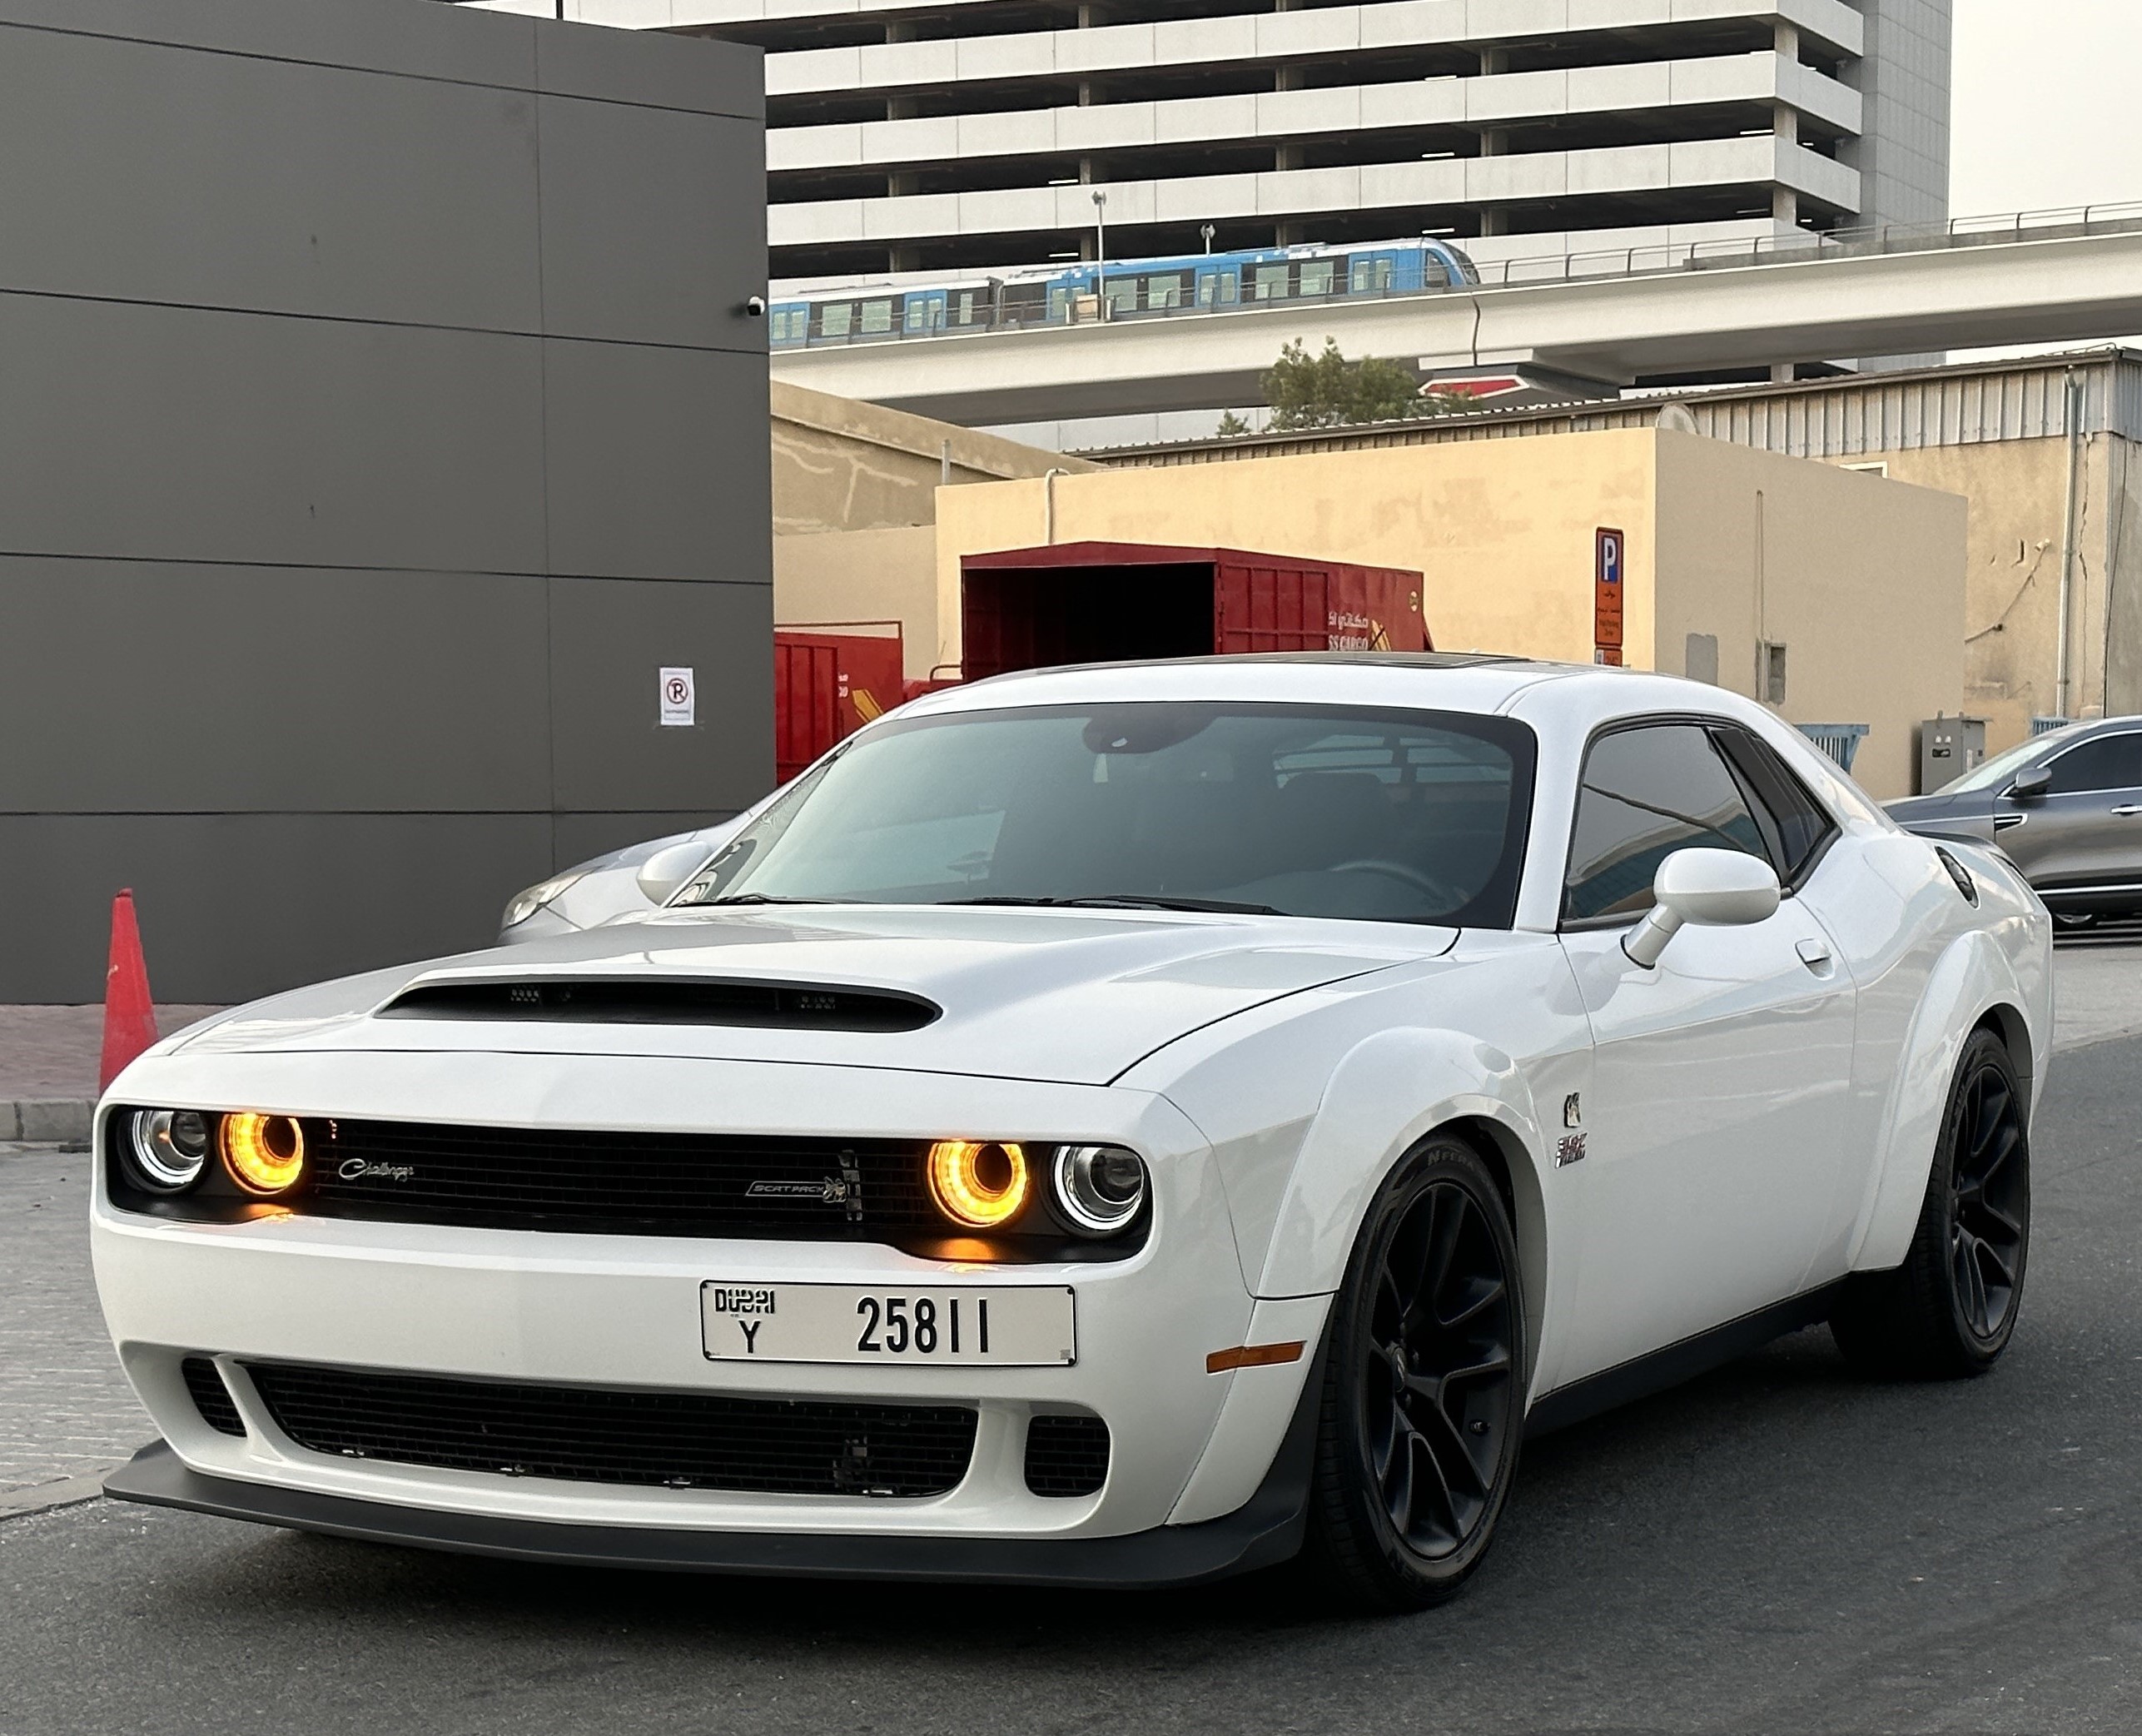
2127, 810
1815, 954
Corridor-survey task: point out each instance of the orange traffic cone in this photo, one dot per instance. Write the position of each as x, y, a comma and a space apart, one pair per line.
130, 1016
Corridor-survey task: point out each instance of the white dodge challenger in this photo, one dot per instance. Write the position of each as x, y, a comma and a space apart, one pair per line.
1126, 1125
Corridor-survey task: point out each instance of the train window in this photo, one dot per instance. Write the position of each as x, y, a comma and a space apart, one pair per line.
1059, 303
1268, 283
963, 308
1371, 276
926, 313
876, 317
1316, 276
1216, 290
1434, 272
835, 319
1123, 295
791, 324
1166, 292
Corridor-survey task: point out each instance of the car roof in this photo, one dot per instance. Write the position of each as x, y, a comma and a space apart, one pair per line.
1473, 681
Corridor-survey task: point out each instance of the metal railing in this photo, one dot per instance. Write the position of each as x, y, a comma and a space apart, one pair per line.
1802, 247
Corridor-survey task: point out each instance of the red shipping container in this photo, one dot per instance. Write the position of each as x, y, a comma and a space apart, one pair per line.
1023, 609
825, 687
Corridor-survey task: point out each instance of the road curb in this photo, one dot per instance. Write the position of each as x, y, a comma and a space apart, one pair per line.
47, 1121
43, 1497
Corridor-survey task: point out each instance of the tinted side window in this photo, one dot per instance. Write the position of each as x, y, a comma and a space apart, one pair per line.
1645, 794
1800, 824
2110, 762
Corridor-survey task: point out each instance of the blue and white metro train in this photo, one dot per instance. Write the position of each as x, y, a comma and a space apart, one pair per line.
1071, 293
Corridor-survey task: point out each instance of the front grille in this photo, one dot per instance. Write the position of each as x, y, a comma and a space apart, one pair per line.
1066, 1455
596, 1434
211, 1398
653, 1184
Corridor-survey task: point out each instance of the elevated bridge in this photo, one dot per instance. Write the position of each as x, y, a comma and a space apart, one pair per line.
1601, 321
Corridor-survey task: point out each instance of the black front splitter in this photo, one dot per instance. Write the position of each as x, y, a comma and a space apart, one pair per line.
1265, 1532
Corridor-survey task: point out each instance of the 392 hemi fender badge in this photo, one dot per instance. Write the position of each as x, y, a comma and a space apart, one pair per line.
1568, 1149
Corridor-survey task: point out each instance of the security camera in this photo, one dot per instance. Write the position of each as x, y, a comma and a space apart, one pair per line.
754, 307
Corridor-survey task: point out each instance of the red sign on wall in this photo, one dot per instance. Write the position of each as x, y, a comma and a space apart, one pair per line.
1608, 549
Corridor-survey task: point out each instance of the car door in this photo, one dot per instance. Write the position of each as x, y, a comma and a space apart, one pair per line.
1717, 1113
2083, 836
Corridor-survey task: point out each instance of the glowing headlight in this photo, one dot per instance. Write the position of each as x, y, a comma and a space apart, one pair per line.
167, 1148
981, 1186
524, 905
1099, 1189
264, 1153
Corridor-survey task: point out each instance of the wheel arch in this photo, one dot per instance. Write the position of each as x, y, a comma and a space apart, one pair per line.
1972, 987
1393, 1093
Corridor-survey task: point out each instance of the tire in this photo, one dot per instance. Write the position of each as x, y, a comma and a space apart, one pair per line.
1949, 1310
1424, 1389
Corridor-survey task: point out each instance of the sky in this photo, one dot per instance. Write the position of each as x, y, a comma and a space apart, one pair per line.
2046, 112
2047, 105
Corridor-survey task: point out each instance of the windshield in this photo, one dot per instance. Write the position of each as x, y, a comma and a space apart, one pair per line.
1380, 815
2004, 766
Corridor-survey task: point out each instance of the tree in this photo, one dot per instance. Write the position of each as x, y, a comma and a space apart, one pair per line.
1327, 391
1231, 425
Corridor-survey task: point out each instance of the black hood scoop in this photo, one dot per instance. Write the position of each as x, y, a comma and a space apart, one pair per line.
665, 1001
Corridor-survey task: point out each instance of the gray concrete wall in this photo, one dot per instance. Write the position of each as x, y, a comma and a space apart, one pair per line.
377, 414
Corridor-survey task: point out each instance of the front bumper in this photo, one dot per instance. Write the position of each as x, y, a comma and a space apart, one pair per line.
623, 1313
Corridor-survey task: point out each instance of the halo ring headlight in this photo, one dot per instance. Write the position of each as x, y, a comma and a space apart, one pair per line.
979, 1185
167, 1149
264, 1153
1099, 1189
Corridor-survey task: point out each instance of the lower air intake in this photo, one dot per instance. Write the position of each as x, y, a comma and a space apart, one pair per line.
211, 1398
1066, 1455
600, 1434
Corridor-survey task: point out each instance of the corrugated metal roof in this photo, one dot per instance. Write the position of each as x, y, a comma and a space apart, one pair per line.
1974, 404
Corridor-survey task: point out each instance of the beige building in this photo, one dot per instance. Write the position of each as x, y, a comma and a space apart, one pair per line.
2042, 447
855, 490
1728, 550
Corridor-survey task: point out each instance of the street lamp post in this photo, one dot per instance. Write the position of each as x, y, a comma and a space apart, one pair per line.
1208, 231
1101, 248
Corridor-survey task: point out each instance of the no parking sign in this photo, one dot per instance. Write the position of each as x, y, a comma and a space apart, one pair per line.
679, 705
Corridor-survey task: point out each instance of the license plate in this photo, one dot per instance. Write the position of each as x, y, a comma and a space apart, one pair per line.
1005, 1325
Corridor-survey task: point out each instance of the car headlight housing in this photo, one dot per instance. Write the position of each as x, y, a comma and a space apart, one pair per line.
166, 1150
1098, 1190
980, 1183
523, 905
264, 1153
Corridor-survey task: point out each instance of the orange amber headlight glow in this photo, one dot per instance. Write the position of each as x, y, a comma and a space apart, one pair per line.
981, 1186
264, 1153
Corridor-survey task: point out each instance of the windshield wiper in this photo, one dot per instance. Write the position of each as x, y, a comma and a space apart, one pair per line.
1133, 901
758, 897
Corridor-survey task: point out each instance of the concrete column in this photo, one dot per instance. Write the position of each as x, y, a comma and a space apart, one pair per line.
1781, 373
1291, 156
1785, 40
1086, 93
1784, 206
1287, 78
899, 32
1289, 234
902, 183
899, 108
1494, 222
1494, 141
1494, 60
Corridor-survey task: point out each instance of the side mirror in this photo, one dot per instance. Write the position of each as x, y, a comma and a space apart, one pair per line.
2031, 783
664, 874
1715, 888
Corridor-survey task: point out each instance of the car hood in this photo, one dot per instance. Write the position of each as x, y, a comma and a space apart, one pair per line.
1076, 997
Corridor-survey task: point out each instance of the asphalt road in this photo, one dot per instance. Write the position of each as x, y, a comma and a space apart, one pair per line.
1778, 1547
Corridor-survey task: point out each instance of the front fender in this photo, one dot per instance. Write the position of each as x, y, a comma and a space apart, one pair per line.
1972, 977
1386, 1095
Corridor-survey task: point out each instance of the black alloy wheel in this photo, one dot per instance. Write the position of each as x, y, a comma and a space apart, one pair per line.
1423, 1387
1949, 1310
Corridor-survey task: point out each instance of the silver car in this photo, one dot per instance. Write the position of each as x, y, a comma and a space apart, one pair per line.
2066, 807
623, 882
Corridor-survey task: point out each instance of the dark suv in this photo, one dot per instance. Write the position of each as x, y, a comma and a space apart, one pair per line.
2067, 808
